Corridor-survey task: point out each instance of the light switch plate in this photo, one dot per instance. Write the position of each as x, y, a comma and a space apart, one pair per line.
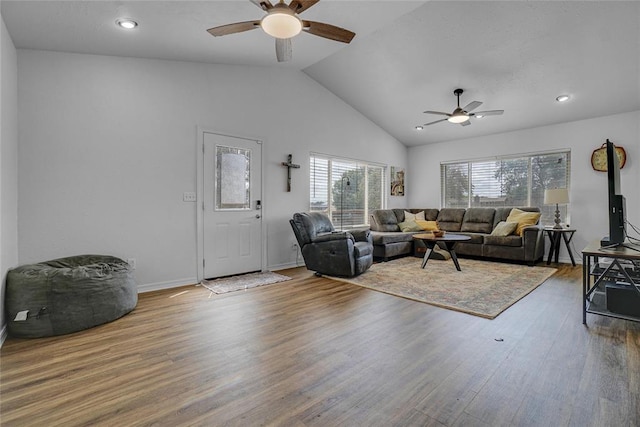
189, 196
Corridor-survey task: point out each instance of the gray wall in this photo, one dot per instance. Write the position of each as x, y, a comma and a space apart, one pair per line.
588, 195
107, 148
8, 164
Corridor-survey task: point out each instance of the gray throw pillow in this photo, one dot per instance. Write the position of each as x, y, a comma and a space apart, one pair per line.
503, 229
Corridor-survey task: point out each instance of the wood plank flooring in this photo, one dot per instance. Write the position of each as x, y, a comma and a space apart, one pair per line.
315, 352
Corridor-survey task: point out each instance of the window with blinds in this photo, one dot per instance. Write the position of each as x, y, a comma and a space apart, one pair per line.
506, 181
346, 190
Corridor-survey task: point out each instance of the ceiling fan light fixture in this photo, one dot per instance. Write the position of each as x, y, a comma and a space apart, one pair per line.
458, 118
281, 23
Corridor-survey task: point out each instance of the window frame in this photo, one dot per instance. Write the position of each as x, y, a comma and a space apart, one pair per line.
547, 210
355, 164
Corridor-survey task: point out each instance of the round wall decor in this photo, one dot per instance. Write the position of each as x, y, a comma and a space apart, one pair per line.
599, 158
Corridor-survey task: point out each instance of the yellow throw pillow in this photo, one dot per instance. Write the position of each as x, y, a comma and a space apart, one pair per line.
503, 229
408, 216
427, 225
523, 219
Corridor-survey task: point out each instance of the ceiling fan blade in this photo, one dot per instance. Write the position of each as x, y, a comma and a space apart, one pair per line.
487, 113
237, 27
437, 121
263, 4
437, 112
299, 6
472, 106
283, 50
467, 123
328, 31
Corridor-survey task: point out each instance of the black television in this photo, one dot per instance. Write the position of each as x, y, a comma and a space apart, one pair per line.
617, 208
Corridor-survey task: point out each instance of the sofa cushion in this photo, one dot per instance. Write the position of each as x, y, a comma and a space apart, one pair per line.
408, 216
450, 219
524, 219
478, 220
514, 241
504, 228
476, 238
384, 238
428, 225
409, 225
431, 214
384, 220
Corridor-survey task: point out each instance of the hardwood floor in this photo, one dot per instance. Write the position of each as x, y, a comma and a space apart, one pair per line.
314, 352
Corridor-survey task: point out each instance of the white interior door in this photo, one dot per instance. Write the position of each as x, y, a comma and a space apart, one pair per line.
232, 215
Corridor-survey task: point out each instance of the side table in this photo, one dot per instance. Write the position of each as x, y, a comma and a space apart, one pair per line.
555, 236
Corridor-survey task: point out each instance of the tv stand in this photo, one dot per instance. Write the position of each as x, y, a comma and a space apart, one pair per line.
606, 284
605, 244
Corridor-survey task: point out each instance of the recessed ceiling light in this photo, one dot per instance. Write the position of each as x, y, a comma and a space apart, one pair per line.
478, 116
419, 128
126, 23
562, 98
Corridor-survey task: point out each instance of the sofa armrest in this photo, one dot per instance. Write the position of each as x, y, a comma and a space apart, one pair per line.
363, 235
335, 235
533, 242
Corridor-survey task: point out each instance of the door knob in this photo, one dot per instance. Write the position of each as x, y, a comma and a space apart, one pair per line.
258, 216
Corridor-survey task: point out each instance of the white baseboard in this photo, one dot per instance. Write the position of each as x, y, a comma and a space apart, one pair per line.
158, 286
149, 287
285, 266
3, 334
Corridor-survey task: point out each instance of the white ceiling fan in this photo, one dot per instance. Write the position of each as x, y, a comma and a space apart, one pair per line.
462, 115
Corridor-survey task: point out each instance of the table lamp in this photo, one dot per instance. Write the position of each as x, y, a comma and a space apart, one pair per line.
556, 196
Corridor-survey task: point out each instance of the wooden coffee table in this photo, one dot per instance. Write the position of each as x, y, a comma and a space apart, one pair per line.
449, 239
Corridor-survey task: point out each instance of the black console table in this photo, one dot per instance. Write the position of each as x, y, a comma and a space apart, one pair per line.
610, 282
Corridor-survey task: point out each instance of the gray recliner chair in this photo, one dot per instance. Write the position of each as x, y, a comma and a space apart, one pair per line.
330, 252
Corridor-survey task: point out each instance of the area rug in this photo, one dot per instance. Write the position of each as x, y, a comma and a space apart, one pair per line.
482, 288
243, 281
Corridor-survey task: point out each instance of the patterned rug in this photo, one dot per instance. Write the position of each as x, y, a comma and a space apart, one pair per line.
243, 282
482, 288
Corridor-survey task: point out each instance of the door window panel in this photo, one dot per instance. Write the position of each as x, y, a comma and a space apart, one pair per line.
233, 190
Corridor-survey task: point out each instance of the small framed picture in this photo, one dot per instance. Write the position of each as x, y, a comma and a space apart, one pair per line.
397, 181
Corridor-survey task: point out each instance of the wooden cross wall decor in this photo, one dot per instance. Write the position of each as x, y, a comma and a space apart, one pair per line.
289, 166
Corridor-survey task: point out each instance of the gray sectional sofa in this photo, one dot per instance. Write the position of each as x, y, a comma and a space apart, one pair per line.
477, 223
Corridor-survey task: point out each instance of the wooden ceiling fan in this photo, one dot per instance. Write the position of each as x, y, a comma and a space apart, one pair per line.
282, 23
462, 115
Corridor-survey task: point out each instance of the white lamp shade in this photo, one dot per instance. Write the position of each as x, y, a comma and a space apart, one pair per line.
458, 118
556, 196
281, 25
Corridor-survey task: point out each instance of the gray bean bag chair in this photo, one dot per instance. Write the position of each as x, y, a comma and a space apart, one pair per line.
67, 295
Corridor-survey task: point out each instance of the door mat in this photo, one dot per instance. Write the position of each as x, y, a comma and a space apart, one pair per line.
243, 282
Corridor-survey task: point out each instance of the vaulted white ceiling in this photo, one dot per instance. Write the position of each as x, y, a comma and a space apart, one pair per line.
407, 57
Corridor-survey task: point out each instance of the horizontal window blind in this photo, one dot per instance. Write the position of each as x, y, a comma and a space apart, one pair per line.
507, 181
346, 190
